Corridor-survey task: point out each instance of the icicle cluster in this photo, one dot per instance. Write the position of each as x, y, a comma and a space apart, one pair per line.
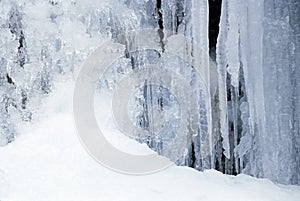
43, 41
258, 67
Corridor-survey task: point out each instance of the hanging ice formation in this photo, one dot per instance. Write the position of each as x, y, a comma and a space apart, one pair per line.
249, 117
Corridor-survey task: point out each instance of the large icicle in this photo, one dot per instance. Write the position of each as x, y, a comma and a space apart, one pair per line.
199, 34
222, 77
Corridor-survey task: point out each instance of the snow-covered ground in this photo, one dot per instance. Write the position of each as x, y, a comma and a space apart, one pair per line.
47, 162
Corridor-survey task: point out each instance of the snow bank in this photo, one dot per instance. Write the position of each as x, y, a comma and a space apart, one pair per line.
47, 162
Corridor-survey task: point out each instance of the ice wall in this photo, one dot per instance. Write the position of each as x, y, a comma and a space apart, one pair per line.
258, 65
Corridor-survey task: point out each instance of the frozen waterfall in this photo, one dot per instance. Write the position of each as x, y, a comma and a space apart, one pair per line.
248, 100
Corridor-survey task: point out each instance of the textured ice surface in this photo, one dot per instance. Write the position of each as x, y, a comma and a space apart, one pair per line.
258, 64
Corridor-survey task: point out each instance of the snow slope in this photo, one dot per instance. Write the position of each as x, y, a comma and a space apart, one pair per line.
47, 162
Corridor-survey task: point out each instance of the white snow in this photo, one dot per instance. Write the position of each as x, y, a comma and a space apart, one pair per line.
47, 162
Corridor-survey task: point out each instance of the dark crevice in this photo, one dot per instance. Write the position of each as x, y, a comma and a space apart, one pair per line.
214, 20
9, 79
160, 15
192, 162
160, 24
21, 50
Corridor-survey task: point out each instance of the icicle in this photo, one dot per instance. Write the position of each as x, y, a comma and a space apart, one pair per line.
222, 77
